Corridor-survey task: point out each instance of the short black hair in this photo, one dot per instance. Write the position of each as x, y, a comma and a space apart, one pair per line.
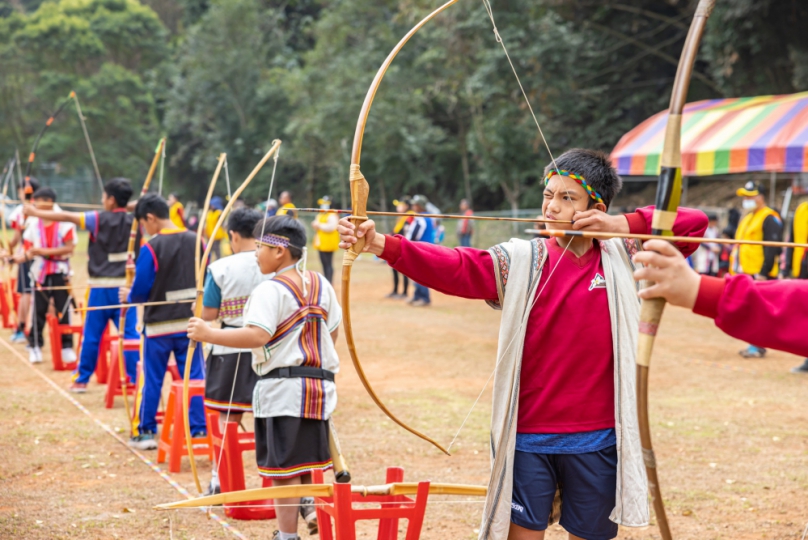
34, 183
151, 203
119, 189
596, 168
287, 226
45, 193
242, 221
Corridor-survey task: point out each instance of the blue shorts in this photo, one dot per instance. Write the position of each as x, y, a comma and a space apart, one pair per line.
587, 483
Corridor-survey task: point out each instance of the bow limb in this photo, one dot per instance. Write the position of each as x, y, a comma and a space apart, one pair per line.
668, 195
200, 273
323, 490
130, 278
32, 154
359, 198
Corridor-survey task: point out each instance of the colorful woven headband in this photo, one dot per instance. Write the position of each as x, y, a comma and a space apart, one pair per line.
274, 240
578, 178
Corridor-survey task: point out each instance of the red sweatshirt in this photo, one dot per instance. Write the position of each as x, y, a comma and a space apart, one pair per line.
567, 377
768, 314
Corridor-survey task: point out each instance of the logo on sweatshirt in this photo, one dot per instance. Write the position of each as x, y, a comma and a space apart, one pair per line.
598, 282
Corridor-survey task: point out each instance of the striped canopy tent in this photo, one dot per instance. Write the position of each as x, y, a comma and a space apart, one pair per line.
725, 136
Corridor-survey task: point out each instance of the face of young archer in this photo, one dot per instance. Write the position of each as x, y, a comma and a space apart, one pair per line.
563, 197
269, 258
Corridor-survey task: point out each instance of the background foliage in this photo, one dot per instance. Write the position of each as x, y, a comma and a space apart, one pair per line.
449, 120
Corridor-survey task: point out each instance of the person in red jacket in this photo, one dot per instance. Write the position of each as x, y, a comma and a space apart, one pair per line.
765, 312
572, 400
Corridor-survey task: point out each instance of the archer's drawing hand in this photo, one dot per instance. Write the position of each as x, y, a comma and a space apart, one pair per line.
29, 209
674, 280
596, 221
123, 294
198, 329
349, 234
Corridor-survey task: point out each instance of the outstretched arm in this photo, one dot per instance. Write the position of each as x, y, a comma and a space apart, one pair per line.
249, 337
766, 313
463, 272
52, 215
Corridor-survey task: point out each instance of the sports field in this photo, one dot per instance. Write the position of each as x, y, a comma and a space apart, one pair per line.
731, 434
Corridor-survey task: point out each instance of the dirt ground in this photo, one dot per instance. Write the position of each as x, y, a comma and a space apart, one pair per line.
731, 435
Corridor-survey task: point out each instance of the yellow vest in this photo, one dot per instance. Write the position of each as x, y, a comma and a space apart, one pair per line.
800, 237
749, 259
287, 208
210, 222
326, 241
177, 214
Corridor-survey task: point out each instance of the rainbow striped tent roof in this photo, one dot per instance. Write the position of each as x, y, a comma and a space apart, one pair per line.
725, 136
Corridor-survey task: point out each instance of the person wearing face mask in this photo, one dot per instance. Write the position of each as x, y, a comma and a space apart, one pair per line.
326, 237
759, 223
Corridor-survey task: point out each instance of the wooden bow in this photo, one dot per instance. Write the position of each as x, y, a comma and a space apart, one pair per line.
200, 275
322, 490
668, 195
7, 278
130, 278
359, 199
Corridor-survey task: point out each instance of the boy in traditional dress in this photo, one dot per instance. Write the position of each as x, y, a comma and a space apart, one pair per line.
106, 266
229, 378
290, 322
18, 222
164, 272
565, 411
48, 245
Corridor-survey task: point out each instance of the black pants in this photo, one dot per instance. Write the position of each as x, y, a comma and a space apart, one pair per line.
405, 285
327, 260
41, 301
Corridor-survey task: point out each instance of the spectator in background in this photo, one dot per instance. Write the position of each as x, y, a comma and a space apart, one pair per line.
726, 251
705, 259
402, 225
465, 227
759, 223
796, 261
420, 230
287, 206
214, 212
326, 237
269, 208
176, 211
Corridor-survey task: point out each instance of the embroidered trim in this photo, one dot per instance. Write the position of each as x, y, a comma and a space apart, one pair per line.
274, 240
579, 179
295, 471
233, 307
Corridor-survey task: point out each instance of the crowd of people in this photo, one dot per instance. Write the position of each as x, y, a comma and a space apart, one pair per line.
273, 324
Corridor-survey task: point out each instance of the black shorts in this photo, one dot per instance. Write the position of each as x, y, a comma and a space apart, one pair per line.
24, 277
286, 446
587, 482
221, 370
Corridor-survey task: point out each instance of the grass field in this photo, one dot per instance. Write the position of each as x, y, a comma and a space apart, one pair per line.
731, 434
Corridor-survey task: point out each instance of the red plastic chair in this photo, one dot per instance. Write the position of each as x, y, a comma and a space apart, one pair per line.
55, 332
392, 508
172, 441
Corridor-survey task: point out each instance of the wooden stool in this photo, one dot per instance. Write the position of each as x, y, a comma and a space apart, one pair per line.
172, 441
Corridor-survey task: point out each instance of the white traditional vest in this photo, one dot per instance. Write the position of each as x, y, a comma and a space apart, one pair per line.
236, 276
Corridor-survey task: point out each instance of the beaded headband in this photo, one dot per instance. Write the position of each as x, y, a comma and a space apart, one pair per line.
274, 240
578, 178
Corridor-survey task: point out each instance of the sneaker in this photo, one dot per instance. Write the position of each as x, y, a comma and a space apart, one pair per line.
801, 368
420, 303
68, 355
144, 441
309, 513
18, 337
753, 352
393, 295
35, 355
277, 534
78, 388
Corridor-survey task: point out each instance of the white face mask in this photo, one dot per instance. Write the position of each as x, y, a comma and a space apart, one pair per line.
749, 204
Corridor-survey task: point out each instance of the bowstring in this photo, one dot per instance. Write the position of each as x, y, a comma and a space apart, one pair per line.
238, 359
227, 179
490, 12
